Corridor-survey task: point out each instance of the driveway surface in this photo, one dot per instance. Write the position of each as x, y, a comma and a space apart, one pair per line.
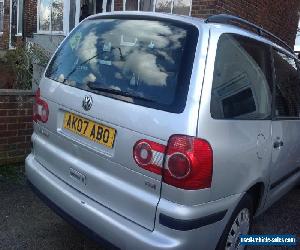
26, 223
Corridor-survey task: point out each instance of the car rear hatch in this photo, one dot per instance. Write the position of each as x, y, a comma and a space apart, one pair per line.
113, 82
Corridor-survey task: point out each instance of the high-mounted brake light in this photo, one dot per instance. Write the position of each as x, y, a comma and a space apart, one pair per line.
186, 162
40, 108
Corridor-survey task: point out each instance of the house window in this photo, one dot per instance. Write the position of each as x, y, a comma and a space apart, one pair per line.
61, 16
163, 6
20, 16
91, 7
181, 7
297, 42
146, 5
131, 5
1, 15
50, 15
109, 5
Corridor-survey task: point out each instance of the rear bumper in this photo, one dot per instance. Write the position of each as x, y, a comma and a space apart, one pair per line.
70, 219
114, 230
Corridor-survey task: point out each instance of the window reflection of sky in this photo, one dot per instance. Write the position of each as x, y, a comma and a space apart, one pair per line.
44, 14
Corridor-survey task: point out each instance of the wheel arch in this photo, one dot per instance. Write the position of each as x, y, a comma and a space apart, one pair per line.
257, 193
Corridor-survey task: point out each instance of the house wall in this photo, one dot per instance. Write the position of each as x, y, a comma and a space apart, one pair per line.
30, 17
118, 5
30, 22
280, 16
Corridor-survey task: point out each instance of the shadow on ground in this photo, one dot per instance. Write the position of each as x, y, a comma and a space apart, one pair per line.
26, 223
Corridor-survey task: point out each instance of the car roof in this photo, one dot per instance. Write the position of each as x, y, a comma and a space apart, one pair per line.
187, 19
200, 23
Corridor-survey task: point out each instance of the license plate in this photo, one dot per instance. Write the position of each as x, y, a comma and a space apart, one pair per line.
94, 131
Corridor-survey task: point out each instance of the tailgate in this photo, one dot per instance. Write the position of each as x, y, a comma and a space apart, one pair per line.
108, 87
107, 175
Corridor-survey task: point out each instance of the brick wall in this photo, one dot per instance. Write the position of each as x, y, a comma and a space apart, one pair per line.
15, 125
280, 16
204, 8
118, 5
30, 17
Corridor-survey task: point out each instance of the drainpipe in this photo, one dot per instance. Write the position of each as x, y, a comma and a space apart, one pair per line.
10, 23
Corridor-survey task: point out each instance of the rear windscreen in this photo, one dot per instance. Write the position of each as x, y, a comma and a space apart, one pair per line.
146, 62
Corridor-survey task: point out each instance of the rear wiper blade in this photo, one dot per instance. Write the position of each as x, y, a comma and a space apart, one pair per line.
93, 86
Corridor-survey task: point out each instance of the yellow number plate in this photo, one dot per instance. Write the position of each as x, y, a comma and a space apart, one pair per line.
94, 131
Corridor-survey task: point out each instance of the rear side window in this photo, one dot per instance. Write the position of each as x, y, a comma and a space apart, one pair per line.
287, 100
241, 81
146, 62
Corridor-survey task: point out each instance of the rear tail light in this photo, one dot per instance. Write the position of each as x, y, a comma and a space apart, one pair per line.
149, 155
186, 162
40, 108
178, 165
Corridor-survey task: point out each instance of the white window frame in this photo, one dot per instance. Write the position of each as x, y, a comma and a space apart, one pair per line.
18, 15
1, 32
66, 15
297, 40
66, 8
154, 6
77, 15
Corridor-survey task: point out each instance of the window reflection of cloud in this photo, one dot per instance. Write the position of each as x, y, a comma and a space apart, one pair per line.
145, 31
89, 78
144, 65
61, 78
140, 61
141, 29
88, 49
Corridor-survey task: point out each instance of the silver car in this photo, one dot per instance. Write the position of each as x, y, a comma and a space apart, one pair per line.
156, 131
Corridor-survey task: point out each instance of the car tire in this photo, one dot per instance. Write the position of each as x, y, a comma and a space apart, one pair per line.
243, 215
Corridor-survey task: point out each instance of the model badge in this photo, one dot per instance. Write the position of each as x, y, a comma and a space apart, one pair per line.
87, 102
150, 185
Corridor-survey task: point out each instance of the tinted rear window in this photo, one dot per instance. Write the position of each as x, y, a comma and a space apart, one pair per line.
242, 81
146, 62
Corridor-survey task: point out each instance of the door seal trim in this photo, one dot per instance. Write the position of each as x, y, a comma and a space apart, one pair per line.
278, 182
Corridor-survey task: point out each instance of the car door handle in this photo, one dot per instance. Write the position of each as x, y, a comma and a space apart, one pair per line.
278, 144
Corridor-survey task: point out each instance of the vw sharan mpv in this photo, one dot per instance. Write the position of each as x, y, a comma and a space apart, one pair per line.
157, 131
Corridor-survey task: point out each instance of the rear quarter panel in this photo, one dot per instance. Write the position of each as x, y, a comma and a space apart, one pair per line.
236, 166
180, 196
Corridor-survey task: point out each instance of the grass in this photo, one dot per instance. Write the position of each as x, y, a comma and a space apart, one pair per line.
12, 173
